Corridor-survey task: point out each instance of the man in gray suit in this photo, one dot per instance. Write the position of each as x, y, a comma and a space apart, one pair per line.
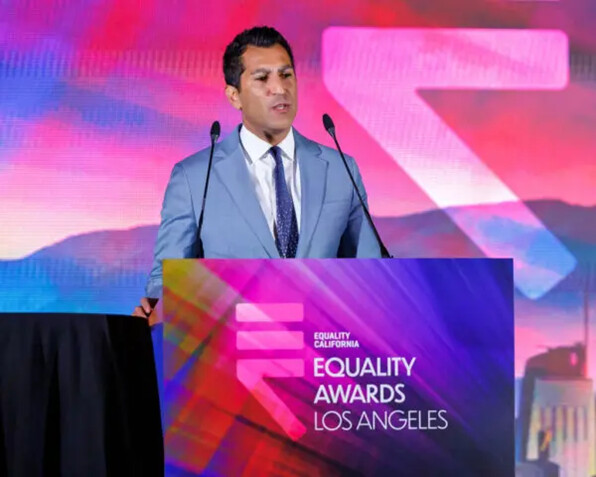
273, 193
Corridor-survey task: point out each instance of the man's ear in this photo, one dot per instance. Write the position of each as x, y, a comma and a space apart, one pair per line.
233, 96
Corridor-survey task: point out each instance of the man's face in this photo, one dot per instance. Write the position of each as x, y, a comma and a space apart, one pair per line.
268, 94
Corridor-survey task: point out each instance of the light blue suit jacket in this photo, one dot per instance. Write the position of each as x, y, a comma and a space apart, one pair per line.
234, 226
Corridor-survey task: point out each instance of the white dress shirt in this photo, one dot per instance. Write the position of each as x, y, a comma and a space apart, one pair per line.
261, 164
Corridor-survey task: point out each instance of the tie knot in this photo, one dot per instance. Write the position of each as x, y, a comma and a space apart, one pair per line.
276, 153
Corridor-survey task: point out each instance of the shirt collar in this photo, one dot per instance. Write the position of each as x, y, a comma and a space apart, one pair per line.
257, 148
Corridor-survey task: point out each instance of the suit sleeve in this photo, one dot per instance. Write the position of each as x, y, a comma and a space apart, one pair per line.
358, 239
177, 230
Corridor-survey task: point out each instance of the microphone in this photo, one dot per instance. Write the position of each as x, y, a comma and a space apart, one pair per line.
214, 133
330, 128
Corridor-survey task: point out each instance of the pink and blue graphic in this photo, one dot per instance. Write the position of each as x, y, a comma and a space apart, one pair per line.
404, 125
251, 347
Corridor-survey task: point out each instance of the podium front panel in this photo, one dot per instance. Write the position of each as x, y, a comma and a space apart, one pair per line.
339, 367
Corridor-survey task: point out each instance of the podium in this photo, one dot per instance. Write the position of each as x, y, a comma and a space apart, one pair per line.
339, 367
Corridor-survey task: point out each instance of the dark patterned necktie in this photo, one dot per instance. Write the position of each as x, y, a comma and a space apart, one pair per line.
286, 225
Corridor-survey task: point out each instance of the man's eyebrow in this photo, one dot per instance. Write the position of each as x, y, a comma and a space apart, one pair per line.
260, 70
268, 70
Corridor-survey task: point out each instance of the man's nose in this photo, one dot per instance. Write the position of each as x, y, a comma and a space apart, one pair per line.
276, 86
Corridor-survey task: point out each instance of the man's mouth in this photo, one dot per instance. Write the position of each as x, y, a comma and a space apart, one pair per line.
281, 107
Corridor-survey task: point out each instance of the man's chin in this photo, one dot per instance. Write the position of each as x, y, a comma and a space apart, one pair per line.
278, 128
280, 122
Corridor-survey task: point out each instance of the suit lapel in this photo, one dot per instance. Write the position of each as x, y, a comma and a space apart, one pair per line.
313, 177
230, 166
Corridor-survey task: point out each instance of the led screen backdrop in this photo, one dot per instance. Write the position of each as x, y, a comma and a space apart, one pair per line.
472, 123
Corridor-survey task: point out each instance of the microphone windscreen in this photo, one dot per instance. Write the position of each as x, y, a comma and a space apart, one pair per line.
328, 123
215, 130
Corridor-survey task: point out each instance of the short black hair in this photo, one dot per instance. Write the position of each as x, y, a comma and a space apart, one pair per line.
261, 36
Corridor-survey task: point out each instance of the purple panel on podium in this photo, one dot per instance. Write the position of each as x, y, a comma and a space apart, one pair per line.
335, 367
